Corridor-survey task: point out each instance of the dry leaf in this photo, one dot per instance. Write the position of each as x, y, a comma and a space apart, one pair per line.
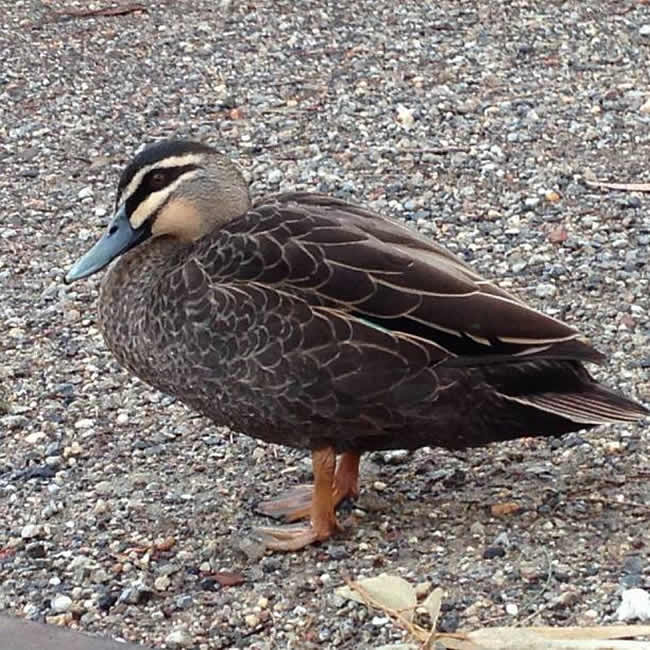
501, 509
391, 592
397, 598
432, 604
592, 632
540, 638
457, 643
630, 187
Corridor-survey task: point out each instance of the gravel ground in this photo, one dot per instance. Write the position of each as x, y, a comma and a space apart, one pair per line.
121, 513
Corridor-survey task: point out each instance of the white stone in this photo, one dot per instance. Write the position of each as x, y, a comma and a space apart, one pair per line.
61, 603
252, 620
635, 605
30, 530
104, 487
274, 176
405, 117
545, 290
85, 192
512, 609
396, 456
179, 637
79, 562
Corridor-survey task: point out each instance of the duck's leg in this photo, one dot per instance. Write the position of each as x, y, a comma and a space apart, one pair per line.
346, 479
296, 503
323, 522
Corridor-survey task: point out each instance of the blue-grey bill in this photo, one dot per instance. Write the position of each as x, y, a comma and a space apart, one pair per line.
118, 238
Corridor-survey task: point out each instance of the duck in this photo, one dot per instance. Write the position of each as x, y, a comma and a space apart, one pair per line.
305, 320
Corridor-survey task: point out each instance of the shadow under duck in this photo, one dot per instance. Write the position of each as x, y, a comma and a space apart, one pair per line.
303, 320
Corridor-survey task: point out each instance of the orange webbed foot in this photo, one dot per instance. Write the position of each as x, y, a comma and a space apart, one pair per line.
291, 505
332, 485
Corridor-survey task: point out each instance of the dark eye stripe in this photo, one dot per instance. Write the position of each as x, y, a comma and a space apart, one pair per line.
144, 189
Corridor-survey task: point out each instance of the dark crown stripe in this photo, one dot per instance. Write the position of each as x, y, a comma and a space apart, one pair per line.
159, 151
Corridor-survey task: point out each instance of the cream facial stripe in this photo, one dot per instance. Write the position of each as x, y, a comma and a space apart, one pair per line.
166, 163
156, 200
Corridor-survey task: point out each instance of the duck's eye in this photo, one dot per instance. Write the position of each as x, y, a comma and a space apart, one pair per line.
157, 181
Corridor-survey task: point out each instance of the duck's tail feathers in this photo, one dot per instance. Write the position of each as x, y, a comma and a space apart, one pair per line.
596, 405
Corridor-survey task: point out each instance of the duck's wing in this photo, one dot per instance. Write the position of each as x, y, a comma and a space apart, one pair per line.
356, 262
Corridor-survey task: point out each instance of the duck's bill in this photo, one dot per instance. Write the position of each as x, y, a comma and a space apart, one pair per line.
118, 238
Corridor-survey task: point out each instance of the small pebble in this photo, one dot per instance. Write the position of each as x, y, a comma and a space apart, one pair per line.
512, 609
274, 176
179, 637
61, 603
422, 590
252, 620
254, 550
545, 290
566, 599
30, 530
396, 456
184, 601
36, 550
477, 529
493, 551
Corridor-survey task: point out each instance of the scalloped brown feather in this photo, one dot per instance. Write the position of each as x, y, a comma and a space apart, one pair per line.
310, 322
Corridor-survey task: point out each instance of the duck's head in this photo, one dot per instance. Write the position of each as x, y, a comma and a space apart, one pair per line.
177, 188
